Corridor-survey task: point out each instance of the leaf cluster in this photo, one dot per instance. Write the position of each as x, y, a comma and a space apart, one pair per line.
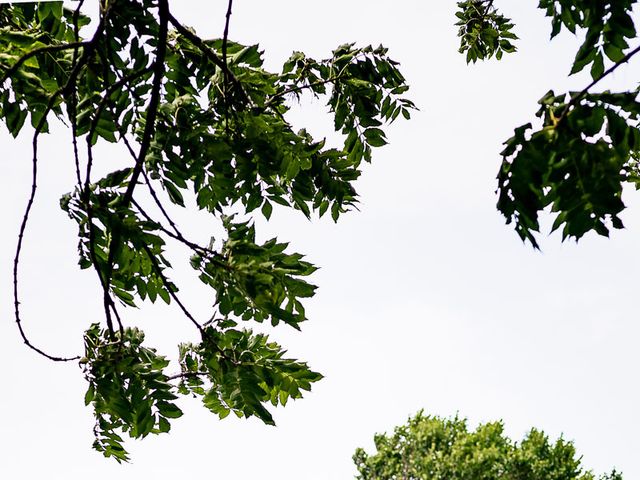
577, 158
577, 164
238, 371
29, 37
259, 282
118, 241
483, 31
128, 389
239, 148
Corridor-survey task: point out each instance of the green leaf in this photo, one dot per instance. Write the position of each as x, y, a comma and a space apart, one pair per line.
267, 209
168, 410
375, 137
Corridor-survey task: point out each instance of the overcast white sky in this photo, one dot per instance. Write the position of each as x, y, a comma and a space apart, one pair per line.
426, 300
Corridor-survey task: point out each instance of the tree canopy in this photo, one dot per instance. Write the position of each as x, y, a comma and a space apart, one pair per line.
434, 448
583, 149
203, 125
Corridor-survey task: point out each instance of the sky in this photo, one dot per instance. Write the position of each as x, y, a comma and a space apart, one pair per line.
427, 300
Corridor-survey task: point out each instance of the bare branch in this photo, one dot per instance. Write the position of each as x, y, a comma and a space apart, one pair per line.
23, 226
186, 375
68, 86
225, 38
154, 101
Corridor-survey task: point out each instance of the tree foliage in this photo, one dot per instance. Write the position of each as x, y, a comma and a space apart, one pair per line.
576, 159
202, 124
434, 448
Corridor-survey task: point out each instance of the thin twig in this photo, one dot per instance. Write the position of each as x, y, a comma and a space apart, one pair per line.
186, 375
73, 104
76, 23
154, 102
102, 276
225, 38
299, 88
16, 260
211, 255
107, 301
157, 201
225, 95
68, 86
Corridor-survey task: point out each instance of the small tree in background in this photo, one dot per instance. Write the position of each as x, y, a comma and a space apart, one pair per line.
434, 448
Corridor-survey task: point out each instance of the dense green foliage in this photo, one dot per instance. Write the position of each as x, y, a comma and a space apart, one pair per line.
434, 448
577, 157
483, 31
202, 125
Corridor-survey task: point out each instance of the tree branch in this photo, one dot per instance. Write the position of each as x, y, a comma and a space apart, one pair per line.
147, 136
69, 85
186, 375
16, 260
211, 55
154, 101
575, 99
225, 38
299, 88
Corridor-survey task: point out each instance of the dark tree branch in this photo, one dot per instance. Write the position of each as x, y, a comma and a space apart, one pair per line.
211, 56
198, 42
104, 282
154, 101
36, 51
300, 88
186, 375
69, 86
177, 235
76, 26
73, 101
157, 201
107, 301
147, 136
16, 260
225, 38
